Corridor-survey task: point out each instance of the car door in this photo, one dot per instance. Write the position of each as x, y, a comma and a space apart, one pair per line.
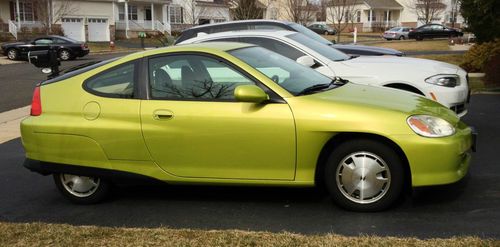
193, 127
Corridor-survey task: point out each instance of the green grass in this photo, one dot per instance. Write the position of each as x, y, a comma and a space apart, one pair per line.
41, 234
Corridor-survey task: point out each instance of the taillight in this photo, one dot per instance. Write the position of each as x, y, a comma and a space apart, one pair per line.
36, 103
84, 46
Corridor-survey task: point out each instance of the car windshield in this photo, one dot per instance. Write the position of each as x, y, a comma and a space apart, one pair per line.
326, 51
309, 33
287, 73
395, 29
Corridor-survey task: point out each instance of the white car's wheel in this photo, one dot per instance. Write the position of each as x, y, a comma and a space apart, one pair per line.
82, 189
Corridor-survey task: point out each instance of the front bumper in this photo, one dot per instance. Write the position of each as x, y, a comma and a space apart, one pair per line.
437, 161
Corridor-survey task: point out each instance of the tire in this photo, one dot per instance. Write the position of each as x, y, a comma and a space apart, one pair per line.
90, 190
65, 55
401, 37
381, 175
325, 33
419, 38
12, 54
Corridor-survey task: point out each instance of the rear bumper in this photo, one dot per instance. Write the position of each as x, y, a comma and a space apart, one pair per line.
82, 53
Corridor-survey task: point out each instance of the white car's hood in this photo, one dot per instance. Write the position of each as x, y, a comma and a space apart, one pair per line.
390, 64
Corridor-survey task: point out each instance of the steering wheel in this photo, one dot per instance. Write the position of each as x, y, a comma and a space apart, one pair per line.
275, 78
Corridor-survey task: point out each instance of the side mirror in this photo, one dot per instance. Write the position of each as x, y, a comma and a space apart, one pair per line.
306, 61
250, 93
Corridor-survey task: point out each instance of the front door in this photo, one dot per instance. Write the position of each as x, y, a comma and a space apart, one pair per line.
193, 127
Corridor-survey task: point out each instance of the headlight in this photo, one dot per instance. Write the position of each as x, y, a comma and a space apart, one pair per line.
430, 126
444, 80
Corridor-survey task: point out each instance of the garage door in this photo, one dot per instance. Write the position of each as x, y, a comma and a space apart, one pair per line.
73, 28
98, 29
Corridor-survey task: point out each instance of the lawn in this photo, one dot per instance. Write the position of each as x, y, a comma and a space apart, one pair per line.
41, 234
448, 58
411, 45
347, 38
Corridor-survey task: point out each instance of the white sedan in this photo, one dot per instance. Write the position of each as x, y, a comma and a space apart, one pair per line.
442, 82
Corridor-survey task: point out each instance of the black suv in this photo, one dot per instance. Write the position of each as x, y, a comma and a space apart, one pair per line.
284, 25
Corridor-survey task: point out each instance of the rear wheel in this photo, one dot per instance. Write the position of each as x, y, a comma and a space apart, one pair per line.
65, 55
326, 33
401, 37
364, 175
419, 38
82, 189
12, 54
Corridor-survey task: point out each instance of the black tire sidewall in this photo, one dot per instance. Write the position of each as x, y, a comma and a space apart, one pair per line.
380, 149
99, 195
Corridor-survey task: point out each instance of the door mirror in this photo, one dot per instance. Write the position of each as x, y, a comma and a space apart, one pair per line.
250, 93
306, 61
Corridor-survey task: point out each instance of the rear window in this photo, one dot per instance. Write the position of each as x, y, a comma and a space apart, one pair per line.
116, 82
79, 69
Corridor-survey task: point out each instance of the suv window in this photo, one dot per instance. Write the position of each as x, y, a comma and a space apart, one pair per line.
193, 77
274, 45
117, 82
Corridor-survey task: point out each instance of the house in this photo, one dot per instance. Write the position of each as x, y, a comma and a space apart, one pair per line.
106, 20
376, 15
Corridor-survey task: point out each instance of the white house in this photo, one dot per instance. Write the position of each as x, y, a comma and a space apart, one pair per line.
371, 15
105, 20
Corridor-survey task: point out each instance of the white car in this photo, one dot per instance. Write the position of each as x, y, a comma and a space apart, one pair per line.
442, 82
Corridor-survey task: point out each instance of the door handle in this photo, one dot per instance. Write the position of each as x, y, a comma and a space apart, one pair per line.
163, 115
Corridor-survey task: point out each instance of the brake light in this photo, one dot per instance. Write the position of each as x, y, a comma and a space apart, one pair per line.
84, 46
36, 103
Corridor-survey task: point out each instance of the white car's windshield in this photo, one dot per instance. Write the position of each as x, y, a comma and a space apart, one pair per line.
395, 29
327, 51
285, 72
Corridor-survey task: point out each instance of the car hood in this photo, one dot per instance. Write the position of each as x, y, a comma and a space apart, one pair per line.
380, 50
371, 64
13, 44
379, 101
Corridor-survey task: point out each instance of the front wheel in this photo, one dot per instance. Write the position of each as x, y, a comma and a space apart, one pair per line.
364, 175
12, 54
82, 189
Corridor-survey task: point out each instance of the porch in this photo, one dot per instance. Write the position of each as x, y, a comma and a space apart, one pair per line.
141, 16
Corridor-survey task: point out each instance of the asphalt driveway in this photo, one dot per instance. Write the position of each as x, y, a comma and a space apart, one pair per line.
471, 207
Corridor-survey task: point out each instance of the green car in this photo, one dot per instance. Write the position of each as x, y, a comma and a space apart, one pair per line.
238, 114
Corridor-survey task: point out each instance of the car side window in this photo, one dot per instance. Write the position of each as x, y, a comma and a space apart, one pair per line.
263, 26
406, 29
193, 77
61, 41
43, 41
117, 82
274, 45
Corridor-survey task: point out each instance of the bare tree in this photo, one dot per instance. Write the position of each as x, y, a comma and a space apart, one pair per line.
194, 10
245, 9
50, 12
342, 13
300, 11
427, 10
455, 11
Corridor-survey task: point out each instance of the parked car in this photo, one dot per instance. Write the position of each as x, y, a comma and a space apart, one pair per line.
283, 25
397, 33
67, 48
238, 114
443, 82
321, 28
430, 31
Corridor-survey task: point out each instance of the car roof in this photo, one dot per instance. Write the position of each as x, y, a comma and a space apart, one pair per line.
239, 21
211, 46
271, 33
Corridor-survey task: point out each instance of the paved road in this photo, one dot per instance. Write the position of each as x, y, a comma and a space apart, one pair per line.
471, 207
18, 80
